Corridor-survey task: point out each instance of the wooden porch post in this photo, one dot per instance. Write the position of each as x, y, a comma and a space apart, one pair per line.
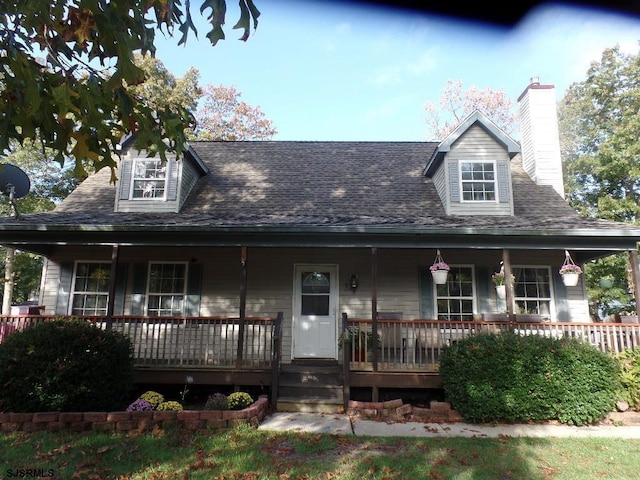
243, 305
506, 263
115, 255
635, 277
374, 317
346, 362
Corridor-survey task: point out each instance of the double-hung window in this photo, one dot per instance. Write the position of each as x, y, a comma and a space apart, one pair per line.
167, 289
149, 179
454, 299
478, 181
90, 288
532, 290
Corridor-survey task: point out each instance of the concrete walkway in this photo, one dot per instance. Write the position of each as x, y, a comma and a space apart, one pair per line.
339, 424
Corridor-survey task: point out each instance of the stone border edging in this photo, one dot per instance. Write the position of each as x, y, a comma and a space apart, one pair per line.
396, 410
134, 422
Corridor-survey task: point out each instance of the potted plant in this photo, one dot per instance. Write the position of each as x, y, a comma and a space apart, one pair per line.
439, 270
498, 279
570, 271
361, 342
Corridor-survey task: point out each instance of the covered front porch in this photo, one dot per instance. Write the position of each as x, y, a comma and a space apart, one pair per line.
375, 353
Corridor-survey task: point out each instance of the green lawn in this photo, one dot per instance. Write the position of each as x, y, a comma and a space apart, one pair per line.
248, 453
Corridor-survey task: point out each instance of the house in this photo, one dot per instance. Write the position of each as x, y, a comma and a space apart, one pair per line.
207, 260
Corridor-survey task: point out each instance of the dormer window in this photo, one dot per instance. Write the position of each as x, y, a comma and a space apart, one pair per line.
478, 181
149, 179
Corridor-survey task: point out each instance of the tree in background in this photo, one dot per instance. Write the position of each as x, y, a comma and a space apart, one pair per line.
456, 104
50, 183
65, 67
161, 87
222, 116
599, 132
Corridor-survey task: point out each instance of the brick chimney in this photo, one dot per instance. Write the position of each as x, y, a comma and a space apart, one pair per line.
540, 142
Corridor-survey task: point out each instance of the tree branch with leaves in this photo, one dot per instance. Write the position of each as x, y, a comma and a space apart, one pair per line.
65, 69
455, 104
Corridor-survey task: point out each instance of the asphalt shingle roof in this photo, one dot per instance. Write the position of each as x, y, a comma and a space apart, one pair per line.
316, 184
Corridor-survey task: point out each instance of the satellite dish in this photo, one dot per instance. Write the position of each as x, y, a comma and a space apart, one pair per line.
14, 183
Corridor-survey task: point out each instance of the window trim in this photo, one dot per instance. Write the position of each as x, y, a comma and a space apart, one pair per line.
133, 179
473, 296
550, 299
148, 287
73, 291
462, 182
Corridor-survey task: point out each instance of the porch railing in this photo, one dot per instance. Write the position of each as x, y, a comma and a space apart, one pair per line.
182, 341
403, 345
417, 344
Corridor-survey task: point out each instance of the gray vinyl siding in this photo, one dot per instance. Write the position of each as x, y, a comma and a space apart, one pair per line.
188, 180
475, 145
49, 285
440, 182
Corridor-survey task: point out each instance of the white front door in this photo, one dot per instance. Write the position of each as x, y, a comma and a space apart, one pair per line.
315, 313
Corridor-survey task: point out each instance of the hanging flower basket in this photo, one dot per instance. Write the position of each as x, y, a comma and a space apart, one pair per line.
570, 271
439, 270
570, 279
439, 276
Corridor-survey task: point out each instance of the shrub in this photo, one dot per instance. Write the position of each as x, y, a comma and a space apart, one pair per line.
217, 401
154, 398
630, 377
239, 400
64, 365
140, 406
511, 377
170, 405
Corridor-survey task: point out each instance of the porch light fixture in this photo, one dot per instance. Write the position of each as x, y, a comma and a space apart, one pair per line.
353, 282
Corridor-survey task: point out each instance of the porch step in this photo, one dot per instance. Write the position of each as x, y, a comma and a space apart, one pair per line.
311, 386
309, 405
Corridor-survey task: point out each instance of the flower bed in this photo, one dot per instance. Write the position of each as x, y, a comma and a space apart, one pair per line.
135, 421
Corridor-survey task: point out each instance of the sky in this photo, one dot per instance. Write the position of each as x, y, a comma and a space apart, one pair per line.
337, 71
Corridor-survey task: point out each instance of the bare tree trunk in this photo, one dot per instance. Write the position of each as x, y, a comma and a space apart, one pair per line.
8, 281
635, 278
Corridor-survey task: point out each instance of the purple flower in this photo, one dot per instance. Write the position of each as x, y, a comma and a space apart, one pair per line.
139, 406
570, 268
439, 266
